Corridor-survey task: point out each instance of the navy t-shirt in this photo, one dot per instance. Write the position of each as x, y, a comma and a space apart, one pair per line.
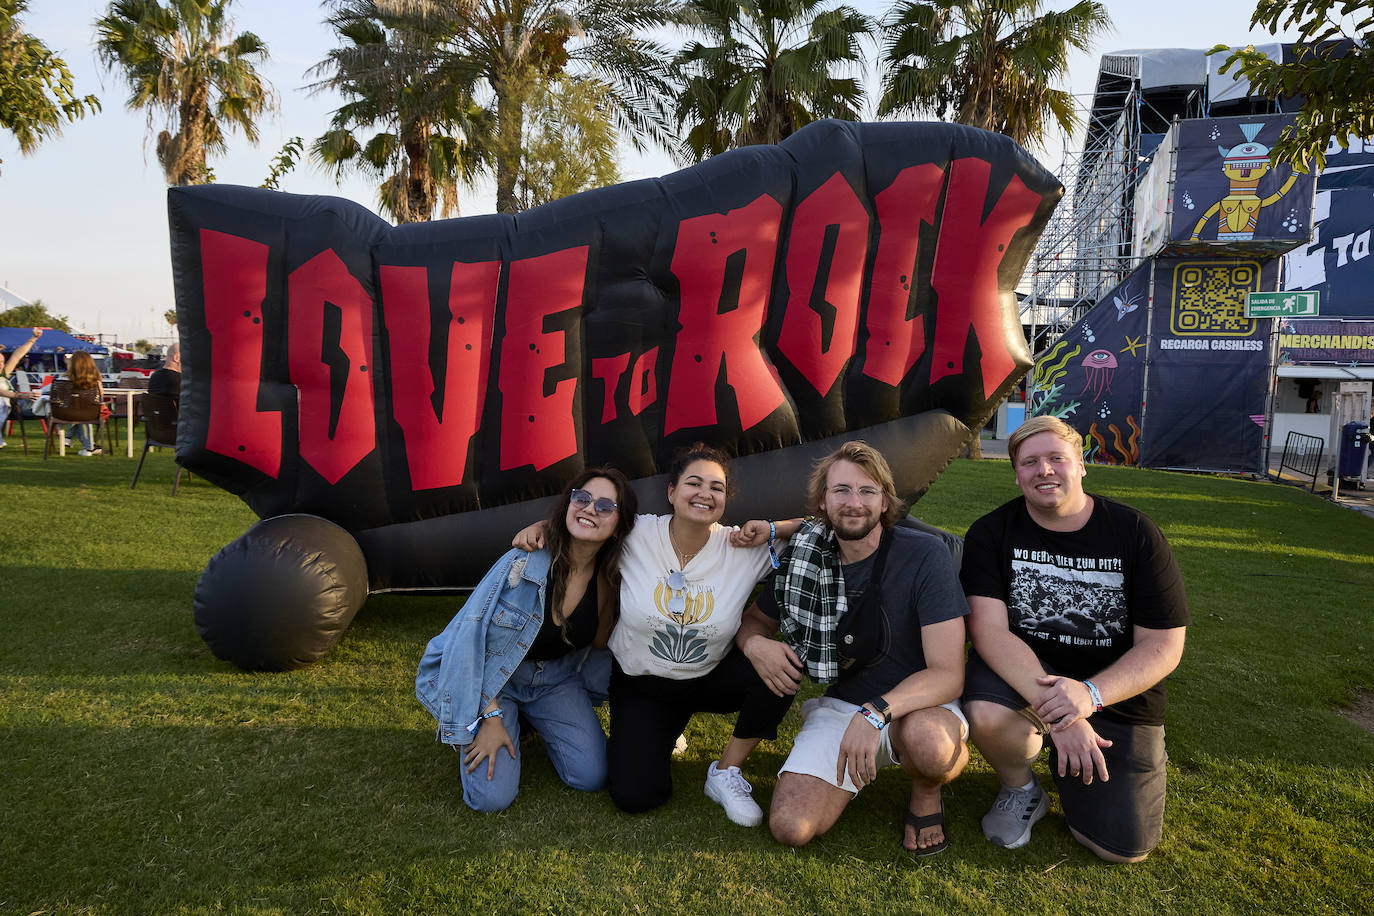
920, 587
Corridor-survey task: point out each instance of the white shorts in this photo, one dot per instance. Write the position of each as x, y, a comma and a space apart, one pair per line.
817, 748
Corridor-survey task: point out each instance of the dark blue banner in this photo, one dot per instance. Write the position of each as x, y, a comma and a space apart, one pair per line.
1209, 366
1337, 263
1093, 378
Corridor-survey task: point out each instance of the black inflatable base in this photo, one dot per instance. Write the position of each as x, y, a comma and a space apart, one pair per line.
281, 595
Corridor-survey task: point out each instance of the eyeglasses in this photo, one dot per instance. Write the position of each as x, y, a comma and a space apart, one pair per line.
676, 580
602, 506
866, 494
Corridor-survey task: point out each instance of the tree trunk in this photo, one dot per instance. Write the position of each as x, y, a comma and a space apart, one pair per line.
510, 129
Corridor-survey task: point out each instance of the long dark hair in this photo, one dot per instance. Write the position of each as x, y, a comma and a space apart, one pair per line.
558, 542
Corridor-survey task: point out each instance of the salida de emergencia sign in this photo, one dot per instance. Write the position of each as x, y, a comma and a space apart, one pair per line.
1289, 304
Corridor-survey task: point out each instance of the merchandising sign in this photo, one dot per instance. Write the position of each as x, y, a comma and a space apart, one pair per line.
1326, 341
1282, 305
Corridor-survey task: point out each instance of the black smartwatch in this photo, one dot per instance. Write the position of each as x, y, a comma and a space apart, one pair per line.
884, 710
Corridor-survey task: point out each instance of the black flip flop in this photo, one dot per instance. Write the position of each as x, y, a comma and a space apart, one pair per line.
920, 823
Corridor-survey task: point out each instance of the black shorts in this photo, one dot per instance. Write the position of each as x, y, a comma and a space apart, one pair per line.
1125, 814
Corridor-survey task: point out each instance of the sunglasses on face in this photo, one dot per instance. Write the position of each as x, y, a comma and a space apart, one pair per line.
602, 506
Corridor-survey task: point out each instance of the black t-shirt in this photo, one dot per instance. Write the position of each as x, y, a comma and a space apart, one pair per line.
920, 587
1074, 596
581, 626
165, 382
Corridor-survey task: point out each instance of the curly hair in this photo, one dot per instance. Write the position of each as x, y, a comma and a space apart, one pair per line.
558, 541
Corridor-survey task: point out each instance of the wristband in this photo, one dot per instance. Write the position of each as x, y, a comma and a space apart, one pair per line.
477, 722
872, 718
1096, 697
881, 705
772, 552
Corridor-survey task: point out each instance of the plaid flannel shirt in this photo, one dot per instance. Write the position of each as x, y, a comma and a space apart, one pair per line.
809, 590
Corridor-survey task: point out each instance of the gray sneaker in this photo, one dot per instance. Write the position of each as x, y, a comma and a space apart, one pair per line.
1009, 822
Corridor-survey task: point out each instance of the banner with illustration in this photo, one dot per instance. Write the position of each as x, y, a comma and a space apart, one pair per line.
1209, 366
1227, 194
1093, 378
1323, 340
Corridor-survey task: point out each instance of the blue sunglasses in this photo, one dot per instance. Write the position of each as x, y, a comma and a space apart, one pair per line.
602, 506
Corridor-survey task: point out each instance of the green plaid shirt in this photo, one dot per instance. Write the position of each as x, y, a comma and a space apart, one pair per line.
809, 590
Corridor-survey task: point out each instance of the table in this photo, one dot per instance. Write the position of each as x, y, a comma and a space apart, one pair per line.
129, 394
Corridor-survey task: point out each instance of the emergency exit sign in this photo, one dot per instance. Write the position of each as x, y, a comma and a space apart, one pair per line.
1294, 304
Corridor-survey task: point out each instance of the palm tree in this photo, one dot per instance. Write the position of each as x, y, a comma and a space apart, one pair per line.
506, 50
988, 63
37, 93
771, 67
390, 71
182, 61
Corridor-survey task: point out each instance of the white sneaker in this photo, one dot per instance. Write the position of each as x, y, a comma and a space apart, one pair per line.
3, 444
729, 789
85, 453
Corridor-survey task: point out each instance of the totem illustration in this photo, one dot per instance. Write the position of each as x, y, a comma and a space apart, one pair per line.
1244, 165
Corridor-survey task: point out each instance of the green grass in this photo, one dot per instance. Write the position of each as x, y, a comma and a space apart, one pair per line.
140, 774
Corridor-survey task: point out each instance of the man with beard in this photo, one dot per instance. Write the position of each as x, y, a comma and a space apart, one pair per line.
876, 612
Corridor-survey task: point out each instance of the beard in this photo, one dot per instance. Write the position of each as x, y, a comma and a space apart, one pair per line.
854, 527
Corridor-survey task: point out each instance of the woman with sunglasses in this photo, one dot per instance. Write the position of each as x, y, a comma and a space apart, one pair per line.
685, 581
526, 643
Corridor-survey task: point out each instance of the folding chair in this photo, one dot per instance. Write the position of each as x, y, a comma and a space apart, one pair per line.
159, 431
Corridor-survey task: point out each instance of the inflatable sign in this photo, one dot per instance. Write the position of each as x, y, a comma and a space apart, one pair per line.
428, 388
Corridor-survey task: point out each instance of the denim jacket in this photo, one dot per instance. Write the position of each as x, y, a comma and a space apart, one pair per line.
465, 667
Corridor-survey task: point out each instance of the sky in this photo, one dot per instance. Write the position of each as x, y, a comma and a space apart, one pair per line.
83, 221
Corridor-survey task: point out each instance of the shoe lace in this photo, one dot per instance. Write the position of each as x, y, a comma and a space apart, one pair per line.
737, 784
1011, 799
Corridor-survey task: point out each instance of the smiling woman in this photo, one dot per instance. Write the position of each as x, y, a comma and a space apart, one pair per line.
685, 581
530, 643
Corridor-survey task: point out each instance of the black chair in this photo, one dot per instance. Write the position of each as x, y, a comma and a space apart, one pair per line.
69, 406
159, 431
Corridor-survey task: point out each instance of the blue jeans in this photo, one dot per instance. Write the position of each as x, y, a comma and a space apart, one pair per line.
553, 697
82, 431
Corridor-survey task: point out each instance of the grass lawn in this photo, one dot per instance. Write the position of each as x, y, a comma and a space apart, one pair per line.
140, 774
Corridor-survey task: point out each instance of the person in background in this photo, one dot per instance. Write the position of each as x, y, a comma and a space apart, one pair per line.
524, 644
9, 398
166, 380
84, 375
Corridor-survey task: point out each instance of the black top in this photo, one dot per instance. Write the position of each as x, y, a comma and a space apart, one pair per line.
1074, 596
920, 587
165, 382
581, 627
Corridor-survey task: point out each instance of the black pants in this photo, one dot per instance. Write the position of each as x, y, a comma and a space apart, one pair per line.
648, 713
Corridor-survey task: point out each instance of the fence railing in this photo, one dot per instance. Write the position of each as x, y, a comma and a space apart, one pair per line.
1302, 454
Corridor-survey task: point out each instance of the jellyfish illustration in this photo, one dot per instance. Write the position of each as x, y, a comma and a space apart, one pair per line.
1099, 366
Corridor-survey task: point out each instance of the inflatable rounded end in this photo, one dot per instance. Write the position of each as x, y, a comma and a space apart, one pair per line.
281, 596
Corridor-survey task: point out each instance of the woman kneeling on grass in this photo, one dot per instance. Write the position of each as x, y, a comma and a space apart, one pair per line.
526, 643
685, 580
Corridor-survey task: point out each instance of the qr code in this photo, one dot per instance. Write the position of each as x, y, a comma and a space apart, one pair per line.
1209, 298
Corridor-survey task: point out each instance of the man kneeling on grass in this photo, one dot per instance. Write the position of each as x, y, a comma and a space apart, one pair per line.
876, 612
1077, 614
